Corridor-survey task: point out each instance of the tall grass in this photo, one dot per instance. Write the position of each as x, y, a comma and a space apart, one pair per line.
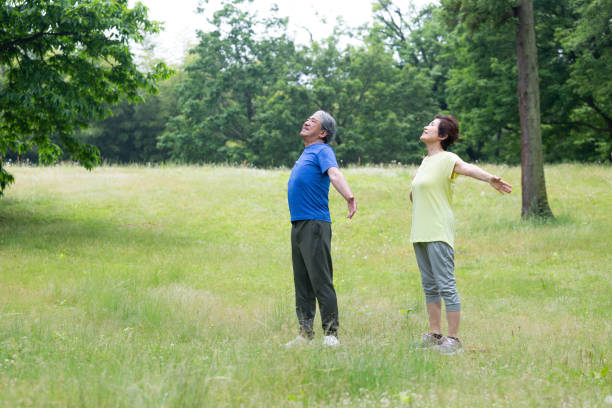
172, 287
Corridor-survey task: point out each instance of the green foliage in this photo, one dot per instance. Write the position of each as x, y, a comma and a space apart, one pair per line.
381, 106
481, 92
586, 42
574, 89
418, 39
130, 134
246, 88
5, 178
410, 65
479, 13
245, 96
232, 73
62, 64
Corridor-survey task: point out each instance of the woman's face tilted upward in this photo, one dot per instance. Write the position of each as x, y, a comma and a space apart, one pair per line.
430, 132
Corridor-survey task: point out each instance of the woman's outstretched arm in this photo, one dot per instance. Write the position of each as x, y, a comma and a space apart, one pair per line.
476, 172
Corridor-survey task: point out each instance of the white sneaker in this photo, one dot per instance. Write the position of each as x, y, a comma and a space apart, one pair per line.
331, 341
298, 341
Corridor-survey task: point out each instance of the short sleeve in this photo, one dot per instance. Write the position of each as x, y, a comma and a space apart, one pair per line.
327, 158
450, 159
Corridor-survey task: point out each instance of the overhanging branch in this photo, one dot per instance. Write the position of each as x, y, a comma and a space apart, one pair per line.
576, 124
10, 44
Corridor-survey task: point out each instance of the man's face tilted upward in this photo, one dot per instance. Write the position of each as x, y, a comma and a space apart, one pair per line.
312, 131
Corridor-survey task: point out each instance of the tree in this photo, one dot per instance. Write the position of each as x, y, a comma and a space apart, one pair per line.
535, 202
481, 91
418, 39
131, 133
380, 105
478, 13
587, 55
233, 68
483, 77
62, 64
246, 87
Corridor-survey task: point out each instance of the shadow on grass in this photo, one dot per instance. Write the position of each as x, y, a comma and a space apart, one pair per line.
40, 225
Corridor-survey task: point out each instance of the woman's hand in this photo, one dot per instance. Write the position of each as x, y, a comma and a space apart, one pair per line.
500, 185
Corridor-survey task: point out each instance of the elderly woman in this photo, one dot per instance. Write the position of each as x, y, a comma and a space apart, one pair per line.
433, 228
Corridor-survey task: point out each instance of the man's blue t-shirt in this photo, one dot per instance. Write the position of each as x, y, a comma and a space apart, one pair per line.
308, 186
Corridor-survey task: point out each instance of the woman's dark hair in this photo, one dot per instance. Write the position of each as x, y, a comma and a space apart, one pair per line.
448, 126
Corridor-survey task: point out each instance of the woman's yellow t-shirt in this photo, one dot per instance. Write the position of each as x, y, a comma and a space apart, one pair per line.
432, 195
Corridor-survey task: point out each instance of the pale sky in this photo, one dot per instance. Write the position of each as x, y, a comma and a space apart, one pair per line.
181, 20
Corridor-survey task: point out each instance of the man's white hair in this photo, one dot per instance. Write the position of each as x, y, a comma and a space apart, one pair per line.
327, 123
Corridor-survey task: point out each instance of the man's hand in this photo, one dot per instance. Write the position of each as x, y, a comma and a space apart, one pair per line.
352, 207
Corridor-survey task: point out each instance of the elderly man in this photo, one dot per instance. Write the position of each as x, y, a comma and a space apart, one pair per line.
308, 190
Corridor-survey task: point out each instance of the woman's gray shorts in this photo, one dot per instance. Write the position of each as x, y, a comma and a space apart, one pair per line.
436, 262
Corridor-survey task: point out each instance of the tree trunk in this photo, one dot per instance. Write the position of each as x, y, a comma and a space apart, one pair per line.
535, 202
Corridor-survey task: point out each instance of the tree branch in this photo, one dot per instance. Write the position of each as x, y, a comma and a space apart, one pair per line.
9, 44
591, 103
576, 124
390, 23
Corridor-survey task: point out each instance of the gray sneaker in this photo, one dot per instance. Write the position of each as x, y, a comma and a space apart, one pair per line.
449, 346
429, 341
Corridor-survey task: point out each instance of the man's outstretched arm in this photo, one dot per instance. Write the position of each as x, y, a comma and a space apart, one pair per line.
339, 182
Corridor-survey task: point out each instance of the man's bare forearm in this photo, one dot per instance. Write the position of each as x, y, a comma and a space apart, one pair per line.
340, 184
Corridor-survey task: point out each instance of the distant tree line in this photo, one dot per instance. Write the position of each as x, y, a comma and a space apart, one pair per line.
244, 90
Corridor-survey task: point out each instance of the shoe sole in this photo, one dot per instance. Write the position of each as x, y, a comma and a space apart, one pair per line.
418, 346
287, 345
451, 353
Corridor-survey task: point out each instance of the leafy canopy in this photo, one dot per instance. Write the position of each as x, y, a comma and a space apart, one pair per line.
62, 63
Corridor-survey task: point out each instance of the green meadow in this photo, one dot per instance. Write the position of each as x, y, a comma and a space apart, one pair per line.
172, 287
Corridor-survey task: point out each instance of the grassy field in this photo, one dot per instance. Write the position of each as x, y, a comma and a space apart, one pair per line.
172, 287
